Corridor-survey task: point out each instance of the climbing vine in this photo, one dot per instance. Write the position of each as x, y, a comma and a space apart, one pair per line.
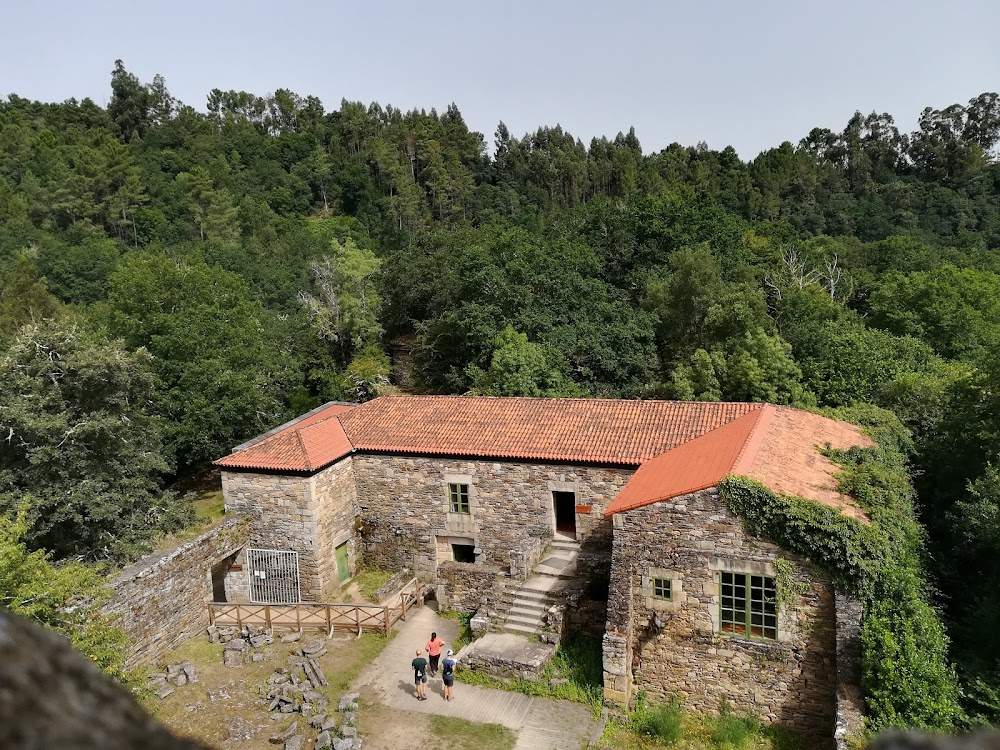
905, 673
788, 590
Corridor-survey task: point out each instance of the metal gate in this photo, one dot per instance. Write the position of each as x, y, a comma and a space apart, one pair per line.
274, 576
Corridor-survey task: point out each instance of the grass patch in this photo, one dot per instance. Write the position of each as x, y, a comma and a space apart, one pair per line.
465, 636
370, 580
459, 734
656, 726
344, 671
660, 723
574, 674
735, 732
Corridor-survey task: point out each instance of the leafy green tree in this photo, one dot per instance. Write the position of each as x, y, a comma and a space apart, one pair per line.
78, 436
65, 596
24, 298
79, 273
130, 103
519, 367
346, 305
955, 310
367, 374
220, 376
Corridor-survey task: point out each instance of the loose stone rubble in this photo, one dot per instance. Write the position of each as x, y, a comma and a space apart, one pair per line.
241, 645
330, 737
174, 675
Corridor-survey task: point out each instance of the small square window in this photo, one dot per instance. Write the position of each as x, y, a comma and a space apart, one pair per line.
458, 498
463, 553
661, 588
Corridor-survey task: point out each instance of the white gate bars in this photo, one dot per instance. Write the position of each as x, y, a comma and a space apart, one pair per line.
274, 576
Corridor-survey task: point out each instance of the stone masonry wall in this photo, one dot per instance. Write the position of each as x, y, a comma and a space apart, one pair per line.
161, 600
850, 701
282, 514
403, 502
469, 587
336, 505
676, 647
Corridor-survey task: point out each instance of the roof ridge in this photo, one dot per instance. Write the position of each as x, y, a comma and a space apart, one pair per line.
302, 447
560, 399
754, 438
343, 430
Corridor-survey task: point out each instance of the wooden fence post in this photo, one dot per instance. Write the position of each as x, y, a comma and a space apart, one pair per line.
267, 616
239, 620
298, 618
388, 627
211, 614
329, 622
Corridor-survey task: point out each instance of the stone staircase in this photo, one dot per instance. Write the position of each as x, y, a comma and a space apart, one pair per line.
530, 600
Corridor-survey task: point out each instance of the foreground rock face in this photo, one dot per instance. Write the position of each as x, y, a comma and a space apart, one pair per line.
53, 697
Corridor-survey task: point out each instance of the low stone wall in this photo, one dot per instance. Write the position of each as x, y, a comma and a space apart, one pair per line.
526, 555
469, 587
393, 586
850, 702
160, 600
584, 615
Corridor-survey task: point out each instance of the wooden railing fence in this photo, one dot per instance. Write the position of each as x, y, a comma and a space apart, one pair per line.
328, 617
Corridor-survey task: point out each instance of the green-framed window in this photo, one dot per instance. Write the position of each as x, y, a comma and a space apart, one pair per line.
661, 589
458, 498
749, 605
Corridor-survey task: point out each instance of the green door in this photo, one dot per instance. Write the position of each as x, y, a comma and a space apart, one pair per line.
343, 570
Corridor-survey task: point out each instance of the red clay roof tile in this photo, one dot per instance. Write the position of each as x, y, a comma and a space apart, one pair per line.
776, 446
306, 444
679, 447
567, 429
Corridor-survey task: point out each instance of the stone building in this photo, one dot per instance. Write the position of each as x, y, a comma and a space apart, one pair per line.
442, 484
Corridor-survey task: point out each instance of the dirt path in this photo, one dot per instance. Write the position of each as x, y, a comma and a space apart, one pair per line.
541, 724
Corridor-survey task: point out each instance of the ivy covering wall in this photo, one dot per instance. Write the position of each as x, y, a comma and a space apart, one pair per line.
906, 677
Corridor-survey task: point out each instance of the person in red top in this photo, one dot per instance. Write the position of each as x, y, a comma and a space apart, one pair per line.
434, 652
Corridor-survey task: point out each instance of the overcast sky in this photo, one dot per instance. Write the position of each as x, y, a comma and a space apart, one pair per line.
749, 74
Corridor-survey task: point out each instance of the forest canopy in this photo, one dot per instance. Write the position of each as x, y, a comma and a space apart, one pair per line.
174, 281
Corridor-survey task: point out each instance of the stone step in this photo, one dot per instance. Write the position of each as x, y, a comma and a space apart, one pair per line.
527, 620
527, 610
535, 595
521, 629
565, 543
568, 572
564, 546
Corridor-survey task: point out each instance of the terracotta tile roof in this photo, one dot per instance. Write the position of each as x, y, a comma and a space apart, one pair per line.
776, 446
305, 444
679, 447
585, 430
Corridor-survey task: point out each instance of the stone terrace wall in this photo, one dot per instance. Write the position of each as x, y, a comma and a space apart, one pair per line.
161, 600
282, 515
336, 505
470, 587
404, 505
676, 647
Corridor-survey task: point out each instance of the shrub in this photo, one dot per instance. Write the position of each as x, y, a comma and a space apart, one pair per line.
735, 731
661, 723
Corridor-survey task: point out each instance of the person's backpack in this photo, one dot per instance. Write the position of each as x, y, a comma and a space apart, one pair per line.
449, 667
